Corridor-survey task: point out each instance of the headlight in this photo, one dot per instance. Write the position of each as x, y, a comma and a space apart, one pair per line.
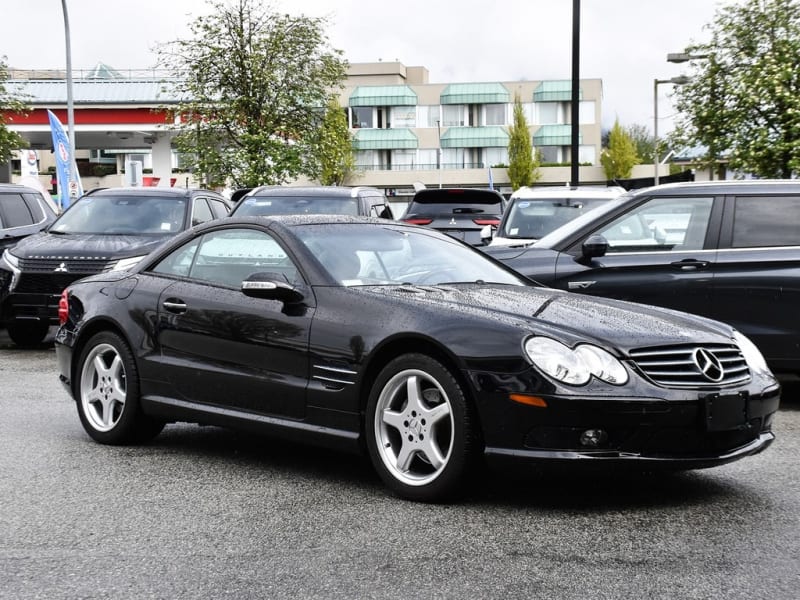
575, 366
13, 264
11, 260
752, 355
126, 263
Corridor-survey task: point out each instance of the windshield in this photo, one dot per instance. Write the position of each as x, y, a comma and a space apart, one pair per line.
589, 216
368, 254
533, 219
123, 215
255, 206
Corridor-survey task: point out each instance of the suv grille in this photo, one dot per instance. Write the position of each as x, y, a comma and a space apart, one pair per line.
690, 365
40, 276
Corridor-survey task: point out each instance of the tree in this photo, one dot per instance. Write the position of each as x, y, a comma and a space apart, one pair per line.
255, 84
332, 160
743, 99
9, 140
620, 155
523, 166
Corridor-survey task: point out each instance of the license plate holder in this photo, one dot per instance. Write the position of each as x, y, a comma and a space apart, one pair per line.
725, 412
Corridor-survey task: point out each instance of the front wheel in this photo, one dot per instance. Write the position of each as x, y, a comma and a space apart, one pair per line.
107, 391
419, 429
28, 334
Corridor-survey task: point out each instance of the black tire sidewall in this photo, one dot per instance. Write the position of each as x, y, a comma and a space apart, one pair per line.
451, 480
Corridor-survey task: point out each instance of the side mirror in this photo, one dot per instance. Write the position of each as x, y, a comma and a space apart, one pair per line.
486, 234
271, 286
594, 246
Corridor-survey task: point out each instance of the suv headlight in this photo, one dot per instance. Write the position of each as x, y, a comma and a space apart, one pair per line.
752, 355
575, 366
124, 264
13, 264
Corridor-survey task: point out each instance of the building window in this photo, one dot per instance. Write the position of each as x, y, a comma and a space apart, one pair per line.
587, 154
494, 114
495, 156
362, 117
586, 111
454, 115
428, 158
548, 113
549, 154
428, 116
403, 116
404, 160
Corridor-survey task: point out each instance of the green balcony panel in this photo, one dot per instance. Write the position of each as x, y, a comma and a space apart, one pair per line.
554, 135
475, 93
383, 95
385, 139
474, 137
555, 91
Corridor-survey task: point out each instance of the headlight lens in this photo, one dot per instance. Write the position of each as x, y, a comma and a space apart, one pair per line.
752, 355
10, 259
126, 263
575, 366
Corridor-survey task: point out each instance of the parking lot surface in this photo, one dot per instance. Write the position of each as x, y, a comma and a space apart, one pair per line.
203, 512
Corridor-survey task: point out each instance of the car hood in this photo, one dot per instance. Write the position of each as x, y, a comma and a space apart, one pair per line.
624, 325
86, 246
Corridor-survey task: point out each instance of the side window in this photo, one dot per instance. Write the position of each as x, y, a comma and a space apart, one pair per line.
766, 221
228, 257
661, 224
218, 208
16, 211
201, 212
35, 206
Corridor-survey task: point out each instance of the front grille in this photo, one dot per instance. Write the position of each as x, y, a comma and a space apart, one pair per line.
83, 266
680, 366
46, 283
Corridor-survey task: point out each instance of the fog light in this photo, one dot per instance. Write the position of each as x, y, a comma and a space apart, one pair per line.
593, 438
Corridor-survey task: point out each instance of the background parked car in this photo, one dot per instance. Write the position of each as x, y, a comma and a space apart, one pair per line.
306, 328
532, 213
23, 212
104, 230
729, 250
459, 212
302, 200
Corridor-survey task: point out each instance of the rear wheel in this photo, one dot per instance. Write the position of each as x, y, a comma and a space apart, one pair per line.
419, 429
28, 334
107, 390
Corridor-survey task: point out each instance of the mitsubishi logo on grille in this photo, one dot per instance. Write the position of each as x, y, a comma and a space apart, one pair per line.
709, 365
452, 221
62, 268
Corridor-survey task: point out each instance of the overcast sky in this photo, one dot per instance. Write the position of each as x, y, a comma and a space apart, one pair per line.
623, 42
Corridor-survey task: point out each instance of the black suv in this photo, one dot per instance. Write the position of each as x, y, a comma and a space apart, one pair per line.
23, 212
298, 200
459, 212
105, 230
729, 250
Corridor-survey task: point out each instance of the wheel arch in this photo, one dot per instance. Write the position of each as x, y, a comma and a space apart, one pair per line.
87, 332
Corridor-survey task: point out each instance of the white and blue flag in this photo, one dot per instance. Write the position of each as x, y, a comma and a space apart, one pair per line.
69, 182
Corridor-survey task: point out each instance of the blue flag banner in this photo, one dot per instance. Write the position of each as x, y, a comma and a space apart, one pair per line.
69, 183
491, 180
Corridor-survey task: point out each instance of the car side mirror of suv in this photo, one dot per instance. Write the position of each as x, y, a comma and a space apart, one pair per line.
594, 246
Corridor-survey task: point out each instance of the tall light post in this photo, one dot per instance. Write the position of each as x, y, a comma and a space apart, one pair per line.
679, 80
73, 184
439, 151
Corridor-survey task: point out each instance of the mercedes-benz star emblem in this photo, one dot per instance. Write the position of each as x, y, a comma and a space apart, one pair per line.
62, 268
709, 365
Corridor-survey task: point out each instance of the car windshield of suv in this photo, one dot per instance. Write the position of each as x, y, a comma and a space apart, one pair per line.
123, 215
255, 206
363, 254
533, 219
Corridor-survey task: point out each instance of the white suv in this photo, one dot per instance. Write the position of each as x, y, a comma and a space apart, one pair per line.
532, 213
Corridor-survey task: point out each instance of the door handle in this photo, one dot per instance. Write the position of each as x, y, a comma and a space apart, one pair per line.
174, 305
690, 264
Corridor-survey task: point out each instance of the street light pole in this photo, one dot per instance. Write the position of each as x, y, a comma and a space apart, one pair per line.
680, 80
70, 103
439, 131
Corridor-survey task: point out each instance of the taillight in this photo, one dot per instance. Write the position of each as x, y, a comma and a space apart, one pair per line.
418, 221
63, 308
482, 222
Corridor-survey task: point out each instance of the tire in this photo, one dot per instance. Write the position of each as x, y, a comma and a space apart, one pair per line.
107, 393
419, 429
28, 334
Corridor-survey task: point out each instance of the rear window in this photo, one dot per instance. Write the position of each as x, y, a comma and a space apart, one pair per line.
296, 205
455, 202
123, 215
536, 218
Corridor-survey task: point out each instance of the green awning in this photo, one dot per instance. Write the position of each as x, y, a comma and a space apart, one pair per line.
474, 137
474, 93
554, 135
383, 95
555, 91
385, 139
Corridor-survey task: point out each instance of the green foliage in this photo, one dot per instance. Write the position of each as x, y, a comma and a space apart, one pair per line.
332, 160
643, 142
523, 163
743, 100
255, 82
9, 140
620, 156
